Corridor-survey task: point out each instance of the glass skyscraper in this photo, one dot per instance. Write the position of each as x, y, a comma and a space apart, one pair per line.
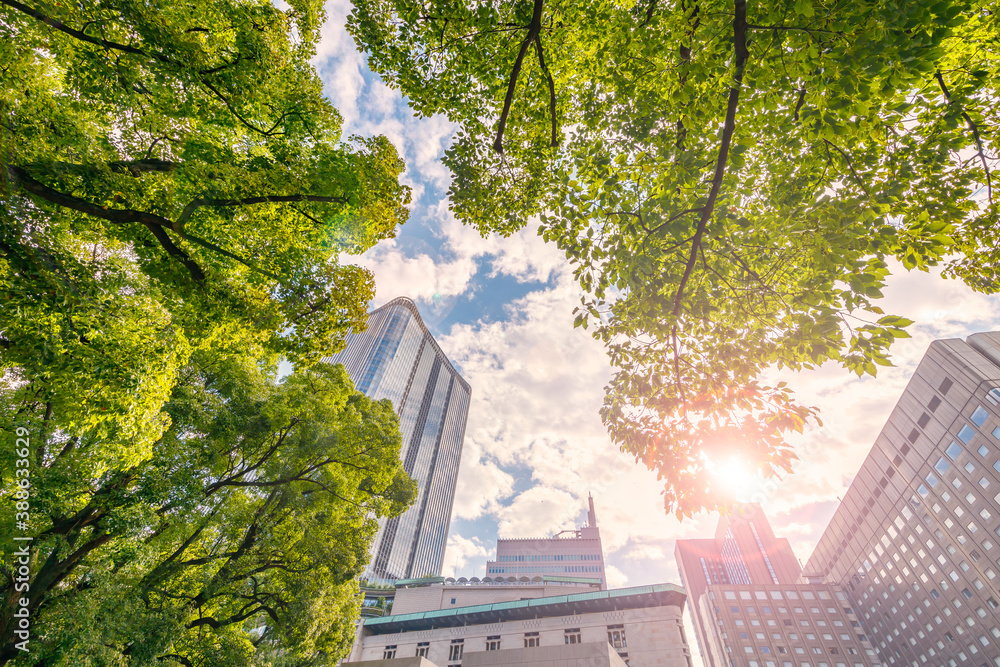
397, 358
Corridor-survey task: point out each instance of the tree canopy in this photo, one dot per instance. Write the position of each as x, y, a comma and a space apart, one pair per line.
175, 197
730, 181
173, 179
237, 542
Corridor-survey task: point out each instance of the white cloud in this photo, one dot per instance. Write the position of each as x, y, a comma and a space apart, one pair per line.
481, 484
538, 512
460, 551
614, 577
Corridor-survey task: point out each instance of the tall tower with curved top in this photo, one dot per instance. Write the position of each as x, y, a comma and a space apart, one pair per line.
397, 358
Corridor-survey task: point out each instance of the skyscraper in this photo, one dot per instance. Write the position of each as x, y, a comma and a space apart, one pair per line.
916, 541
578, 556
397, 358
751, 607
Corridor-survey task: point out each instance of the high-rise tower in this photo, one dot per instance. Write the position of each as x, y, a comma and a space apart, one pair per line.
751, 608
915, 543
397, 358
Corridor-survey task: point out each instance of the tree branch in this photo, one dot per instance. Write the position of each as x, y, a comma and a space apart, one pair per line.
740, 58
534, 29
795, 28
268, 199
154, 223
137, 167
62, 27
975, 132
552, 90
850, 165
798, 105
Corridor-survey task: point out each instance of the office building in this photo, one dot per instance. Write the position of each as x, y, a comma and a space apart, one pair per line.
397, 358
578, 554
562, 618
915, 544
546, 624
751, 607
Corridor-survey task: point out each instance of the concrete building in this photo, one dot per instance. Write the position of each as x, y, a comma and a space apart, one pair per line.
578, 555
751, 608
397, 358
915, 544
546, 624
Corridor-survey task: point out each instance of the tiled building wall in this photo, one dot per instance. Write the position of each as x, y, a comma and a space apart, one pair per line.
915, 541
806, 625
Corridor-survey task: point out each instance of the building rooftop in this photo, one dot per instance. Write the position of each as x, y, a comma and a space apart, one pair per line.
636, 597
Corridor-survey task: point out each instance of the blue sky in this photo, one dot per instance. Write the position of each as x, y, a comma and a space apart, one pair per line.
535, 447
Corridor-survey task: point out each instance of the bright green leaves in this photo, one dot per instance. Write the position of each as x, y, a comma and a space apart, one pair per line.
175, 198
846, 151
173, 181
250, 519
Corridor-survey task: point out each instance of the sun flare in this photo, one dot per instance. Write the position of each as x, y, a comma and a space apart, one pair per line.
734, 478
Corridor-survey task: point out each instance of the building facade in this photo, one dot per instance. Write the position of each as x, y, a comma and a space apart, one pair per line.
578, 555
915, 544
523, 625
397, 358
752, 608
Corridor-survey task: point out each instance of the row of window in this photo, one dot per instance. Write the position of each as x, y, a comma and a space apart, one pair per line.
778, 595
616, 638
522, 558
543, 569
771, 663
831, 650
895, 635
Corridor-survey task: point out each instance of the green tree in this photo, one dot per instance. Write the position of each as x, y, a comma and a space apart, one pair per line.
172, 179
728, 179
238, 542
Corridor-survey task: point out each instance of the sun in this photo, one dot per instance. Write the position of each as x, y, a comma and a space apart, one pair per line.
735, 479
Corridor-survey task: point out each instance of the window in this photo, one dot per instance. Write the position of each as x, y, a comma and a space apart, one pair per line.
571, 636
616, 636
423, 648
966, 433
530, 639
456, 649
389, 652
954, 449
942, 465
493, 643
979, 416
453, 600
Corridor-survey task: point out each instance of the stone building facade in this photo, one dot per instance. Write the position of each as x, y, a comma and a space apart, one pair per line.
642, 625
